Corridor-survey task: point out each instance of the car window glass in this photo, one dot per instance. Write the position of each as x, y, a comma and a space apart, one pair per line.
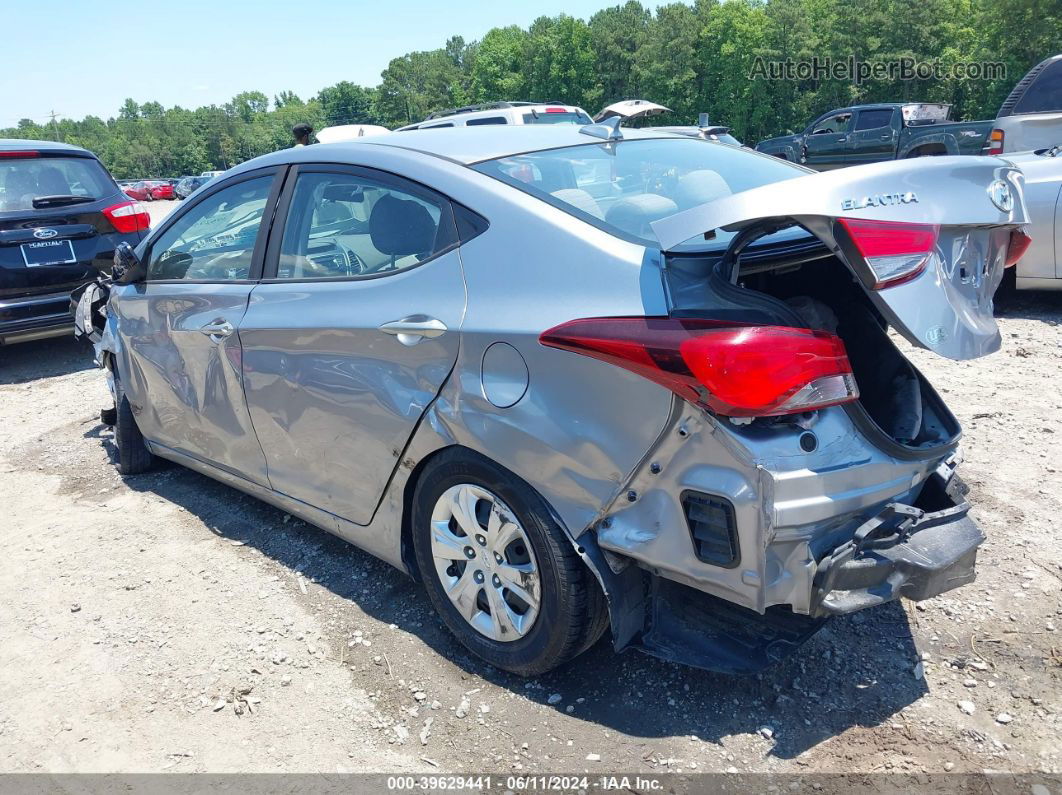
486, 120
1045, 94
873, 119
433, 126
834, 124
214, 240
624, 187
341, 225
24, 179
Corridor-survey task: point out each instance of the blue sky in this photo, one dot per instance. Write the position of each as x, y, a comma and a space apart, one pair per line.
86, 57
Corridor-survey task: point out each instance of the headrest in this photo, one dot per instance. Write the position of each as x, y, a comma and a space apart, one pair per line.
634, 213
579, 199
399, 227
700, 187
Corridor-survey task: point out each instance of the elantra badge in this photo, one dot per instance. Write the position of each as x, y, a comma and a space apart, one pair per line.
44, 234
1000, 194
879, 200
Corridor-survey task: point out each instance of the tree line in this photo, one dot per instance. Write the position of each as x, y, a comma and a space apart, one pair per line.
692, 58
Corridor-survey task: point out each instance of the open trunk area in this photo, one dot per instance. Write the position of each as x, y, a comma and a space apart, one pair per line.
800, 283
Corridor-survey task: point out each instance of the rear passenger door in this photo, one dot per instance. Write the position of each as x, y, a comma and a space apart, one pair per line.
352, 332
874, 136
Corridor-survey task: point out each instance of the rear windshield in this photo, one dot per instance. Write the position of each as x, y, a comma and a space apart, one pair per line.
1045, 94
623, 187
542, 117
24, 179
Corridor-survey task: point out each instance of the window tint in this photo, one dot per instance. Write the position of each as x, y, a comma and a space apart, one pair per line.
833, 124
873, 119
1045, 94
486, 120
341, 225
24, 179
213, 241
433, 126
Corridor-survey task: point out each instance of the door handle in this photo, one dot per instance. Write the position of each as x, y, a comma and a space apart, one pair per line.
886, 136
411, 330
218, 330
842, 139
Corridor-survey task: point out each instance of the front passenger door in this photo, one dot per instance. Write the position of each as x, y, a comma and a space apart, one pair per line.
826, 143
181, 363
352, 332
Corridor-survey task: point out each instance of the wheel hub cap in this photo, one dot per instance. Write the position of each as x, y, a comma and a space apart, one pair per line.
484, 560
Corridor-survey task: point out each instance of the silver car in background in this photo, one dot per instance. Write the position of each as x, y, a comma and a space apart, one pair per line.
578, 379
1040, 267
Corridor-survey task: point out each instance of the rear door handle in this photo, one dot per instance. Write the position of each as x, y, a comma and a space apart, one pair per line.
218, 330
411, 330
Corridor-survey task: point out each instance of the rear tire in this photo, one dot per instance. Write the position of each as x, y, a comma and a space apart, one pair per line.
133, 455
570, 611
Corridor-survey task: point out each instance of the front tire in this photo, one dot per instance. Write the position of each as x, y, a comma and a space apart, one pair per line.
133, 455
499, 570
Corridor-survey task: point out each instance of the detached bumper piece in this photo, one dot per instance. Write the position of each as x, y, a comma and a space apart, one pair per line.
903, 551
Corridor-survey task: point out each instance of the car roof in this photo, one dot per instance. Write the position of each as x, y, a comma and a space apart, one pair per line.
465, 145
8, 144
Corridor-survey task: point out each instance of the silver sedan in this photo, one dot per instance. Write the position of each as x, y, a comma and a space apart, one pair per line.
577, 380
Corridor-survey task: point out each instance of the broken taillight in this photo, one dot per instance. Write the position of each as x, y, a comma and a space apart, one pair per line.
896, 252
736, 371
1019, 244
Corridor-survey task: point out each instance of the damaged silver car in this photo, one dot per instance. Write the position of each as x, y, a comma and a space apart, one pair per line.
578, 379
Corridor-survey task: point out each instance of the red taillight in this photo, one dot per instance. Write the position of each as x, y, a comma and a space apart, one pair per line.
994, 145
20, 153
1019, 244
556, 110
742, 371
896, 252
128, 217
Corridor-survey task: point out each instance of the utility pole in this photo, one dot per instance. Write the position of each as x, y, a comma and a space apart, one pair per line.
55, 127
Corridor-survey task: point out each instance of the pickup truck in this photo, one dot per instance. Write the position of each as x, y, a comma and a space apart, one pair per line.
872, 133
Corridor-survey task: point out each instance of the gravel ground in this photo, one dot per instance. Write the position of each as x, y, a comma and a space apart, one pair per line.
169, 623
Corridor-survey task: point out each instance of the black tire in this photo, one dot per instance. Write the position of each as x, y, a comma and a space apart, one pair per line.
109, 416
572, 613
133, 455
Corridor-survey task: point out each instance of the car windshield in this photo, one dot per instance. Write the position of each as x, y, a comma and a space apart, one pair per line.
23, 179
624, 186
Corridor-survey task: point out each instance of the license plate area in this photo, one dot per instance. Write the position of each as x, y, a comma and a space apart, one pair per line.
48, 252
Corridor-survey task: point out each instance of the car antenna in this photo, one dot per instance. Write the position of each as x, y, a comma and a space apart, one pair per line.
609, 129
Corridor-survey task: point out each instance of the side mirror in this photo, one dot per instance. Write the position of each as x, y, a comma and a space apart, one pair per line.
127, 266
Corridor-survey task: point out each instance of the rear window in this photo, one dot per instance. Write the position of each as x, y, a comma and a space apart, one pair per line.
623, 187
566, 117
24, 179
1045, 94
873, 119
486, 120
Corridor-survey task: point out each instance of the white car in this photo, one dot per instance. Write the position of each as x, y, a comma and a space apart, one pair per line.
1040, 268
503, 113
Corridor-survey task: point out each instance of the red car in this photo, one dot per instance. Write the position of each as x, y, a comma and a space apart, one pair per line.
149, 190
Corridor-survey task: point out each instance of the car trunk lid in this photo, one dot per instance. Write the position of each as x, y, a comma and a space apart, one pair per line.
970, 205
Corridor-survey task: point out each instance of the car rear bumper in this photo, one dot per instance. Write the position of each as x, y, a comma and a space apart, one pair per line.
902, 551
35, 317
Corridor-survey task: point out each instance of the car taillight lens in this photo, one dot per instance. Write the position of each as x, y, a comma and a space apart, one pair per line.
736, 371
1019, 244
994, 145
896, 252
20, 153
128, 217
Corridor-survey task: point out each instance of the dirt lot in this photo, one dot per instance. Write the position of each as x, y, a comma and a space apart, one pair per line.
168, 623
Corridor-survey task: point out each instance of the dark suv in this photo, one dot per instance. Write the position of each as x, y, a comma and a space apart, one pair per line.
61, 216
